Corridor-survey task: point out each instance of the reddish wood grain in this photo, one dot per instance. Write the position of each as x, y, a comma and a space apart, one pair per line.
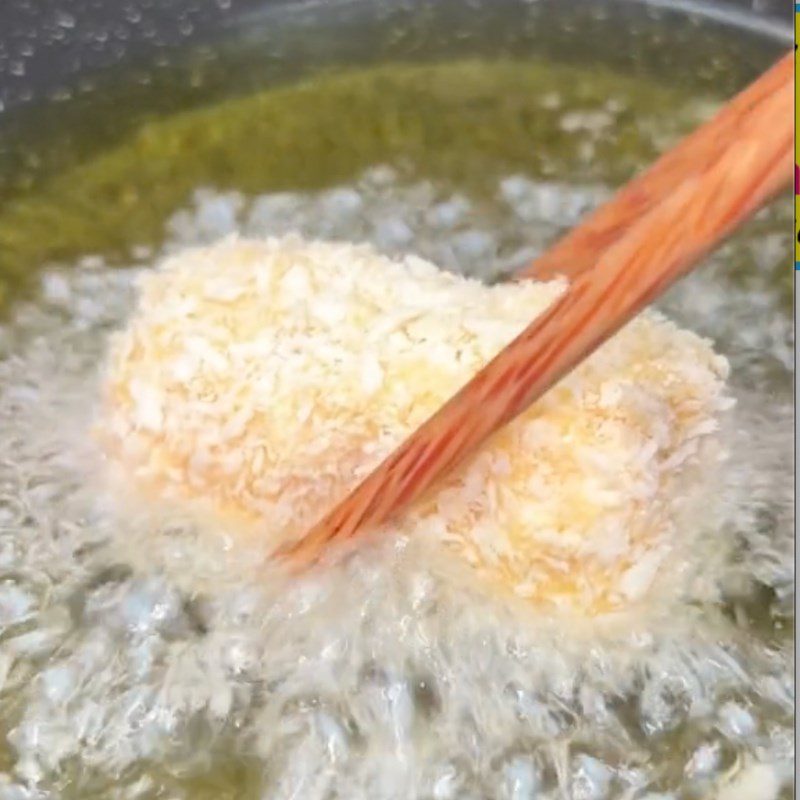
651, 233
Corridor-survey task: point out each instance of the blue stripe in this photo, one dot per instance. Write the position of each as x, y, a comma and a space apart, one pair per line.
797, 7
797, 265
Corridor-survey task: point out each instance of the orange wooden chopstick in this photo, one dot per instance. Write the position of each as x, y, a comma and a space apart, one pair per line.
621, 259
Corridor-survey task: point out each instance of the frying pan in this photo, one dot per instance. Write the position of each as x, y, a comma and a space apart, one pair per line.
57, 55
105, 65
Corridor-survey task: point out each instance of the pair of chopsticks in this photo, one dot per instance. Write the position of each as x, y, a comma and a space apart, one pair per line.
654, 231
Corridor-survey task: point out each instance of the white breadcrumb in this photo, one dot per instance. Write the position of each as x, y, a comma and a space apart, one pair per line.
269, 377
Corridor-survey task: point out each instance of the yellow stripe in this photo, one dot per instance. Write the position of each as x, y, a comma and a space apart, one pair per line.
796, 146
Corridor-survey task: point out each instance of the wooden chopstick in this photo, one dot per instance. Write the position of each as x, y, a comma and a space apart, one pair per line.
651, 233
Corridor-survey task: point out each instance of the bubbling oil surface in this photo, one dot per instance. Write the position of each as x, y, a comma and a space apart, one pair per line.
141, 656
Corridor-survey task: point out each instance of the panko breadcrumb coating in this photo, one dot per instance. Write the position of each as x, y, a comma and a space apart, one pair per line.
270, 377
